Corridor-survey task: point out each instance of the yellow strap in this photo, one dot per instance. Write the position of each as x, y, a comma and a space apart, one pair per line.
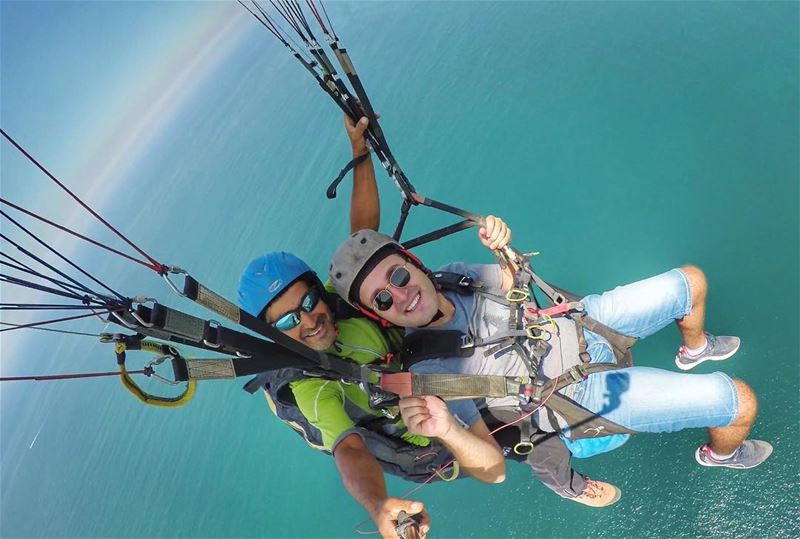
453, 475
142, 395
152, 346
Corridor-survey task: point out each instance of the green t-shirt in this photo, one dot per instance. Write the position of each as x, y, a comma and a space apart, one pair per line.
335, 407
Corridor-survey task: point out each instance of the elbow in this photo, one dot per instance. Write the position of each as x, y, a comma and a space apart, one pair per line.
496, 474
498, 479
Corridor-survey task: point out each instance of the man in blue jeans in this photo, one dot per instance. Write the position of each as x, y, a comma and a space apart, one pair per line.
377, 276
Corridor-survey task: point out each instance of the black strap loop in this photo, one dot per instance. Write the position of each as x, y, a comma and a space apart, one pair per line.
353, 163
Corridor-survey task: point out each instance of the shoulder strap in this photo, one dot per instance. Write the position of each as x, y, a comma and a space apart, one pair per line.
427, 344
455, 282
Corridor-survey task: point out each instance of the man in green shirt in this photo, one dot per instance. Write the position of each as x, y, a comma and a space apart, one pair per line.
336, 416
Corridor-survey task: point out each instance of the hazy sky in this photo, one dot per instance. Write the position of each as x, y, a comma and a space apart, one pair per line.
86, 88
87, 85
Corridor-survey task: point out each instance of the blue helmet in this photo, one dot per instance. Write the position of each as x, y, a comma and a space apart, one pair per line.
266, 277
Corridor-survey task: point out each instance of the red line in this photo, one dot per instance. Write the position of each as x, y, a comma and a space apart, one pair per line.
45, 322
316, 15
156, 266
81, 236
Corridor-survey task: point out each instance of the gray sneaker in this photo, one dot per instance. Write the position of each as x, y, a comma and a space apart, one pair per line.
748, 455
718, 348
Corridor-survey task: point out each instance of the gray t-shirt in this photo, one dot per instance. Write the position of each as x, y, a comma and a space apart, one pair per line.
482, 323
551, 459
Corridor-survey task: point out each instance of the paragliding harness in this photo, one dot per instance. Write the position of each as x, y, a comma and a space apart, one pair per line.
530, 330
397, 457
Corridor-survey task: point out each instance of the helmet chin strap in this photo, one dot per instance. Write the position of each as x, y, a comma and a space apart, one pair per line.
438, 316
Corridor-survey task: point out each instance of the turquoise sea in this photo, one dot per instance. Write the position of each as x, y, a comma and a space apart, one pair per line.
619, 139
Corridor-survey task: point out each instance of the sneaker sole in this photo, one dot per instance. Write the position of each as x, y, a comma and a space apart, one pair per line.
701, 462
683, 367
615, 499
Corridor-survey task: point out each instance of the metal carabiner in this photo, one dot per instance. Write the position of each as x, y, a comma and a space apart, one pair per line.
141, 300
176, 270
158, 361
122, 321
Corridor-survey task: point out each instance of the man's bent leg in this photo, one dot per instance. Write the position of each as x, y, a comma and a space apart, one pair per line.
642, 308
725, 440
654, 400
691, 325
700, 346
729, 447
646, 399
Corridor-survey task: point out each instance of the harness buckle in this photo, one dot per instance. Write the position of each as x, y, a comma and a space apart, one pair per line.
523, 448
211, 324
576, 374
537, 332
517, 295
388, 413
380, 399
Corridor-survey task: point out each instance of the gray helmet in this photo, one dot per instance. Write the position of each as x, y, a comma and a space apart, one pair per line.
353, 256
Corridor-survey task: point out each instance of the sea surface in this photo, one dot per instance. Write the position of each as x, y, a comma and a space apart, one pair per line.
619, 139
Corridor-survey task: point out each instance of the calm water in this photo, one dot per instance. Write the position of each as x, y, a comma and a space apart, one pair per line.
619, 139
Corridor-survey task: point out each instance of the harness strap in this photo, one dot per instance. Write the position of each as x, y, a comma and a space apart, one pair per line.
453, 386
578, 417
338, 367
620, 344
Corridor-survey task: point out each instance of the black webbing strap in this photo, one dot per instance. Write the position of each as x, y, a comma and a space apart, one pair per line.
254, 355
216, 303
552, 294
428, 344
353, 163
620, 344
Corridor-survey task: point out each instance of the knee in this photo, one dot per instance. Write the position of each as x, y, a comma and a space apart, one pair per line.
748, 404
697, 281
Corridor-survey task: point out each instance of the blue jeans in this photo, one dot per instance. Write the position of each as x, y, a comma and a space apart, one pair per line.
645, 399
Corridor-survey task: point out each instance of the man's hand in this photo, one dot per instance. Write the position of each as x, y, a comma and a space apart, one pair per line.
386, 514
355, 132
427, 416
495, 234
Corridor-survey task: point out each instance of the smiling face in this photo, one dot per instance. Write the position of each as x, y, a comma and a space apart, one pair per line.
413, 305
316, 328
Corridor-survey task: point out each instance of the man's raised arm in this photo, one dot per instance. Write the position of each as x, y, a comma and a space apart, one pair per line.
365, 205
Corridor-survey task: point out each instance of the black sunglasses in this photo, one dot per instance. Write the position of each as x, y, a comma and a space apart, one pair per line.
291, 319
399, 278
